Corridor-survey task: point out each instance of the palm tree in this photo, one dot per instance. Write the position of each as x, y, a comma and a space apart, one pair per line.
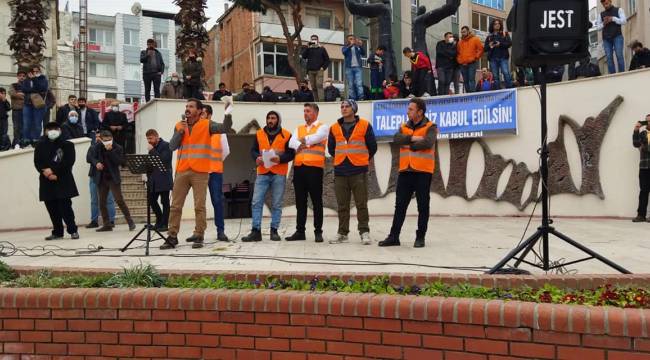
28, 23
193, 34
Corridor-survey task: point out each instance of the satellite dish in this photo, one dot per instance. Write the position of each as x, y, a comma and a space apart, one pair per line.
136, 9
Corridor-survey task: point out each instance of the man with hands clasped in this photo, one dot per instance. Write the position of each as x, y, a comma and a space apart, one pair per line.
640, 141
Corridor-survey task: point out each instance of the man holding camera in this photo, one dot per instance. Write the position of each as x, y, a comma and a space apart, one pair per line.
317, 62
640, 141
153, 66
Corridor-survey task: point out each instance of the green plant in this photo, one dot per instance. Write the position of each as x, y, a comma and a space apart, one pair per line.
6, 272
140, 275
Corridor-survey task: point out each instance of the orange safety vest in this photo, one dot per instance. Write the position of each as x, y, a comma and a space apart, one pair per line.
313, 155
279, 145
353, 148
421, 160
194, 152
216, 155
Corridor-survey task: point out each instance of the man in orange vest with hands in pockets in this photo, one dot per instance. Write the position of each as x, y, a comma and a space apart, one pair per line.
309, 141
270, 176
352, 143
417, 162
192, 138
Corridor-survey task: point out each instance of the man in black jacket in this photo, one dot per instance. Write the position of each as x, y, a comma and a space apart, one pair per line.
641, 58
318, 60
153, 67
53, 160
160, 183
221, 92
303, 94
107, 158
92, 188
5, 106
192, 71
88, 118
446, 62
116, 122
63, 112
268, 95
71, 129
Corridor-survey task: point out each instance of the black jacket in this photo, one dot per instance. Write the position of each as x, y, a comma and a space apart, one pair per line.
147, 64
72, 131
5, 106
269, 96
332, 93
162, 181
219, 94
110, 159
58, 155
317, 58
113, 118
304, 96
92, 121
501, 51
446, 55
347, 168
62, 113
640, 58
251, 96
404, 92
285, 157
194, 69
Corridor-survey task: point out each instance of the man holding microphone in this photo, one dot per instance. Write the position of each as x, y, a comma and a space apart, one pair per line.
640, 141
193, 138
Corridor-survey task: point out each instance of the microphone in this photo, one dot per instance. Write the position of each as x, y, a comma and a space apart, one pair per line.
183, 117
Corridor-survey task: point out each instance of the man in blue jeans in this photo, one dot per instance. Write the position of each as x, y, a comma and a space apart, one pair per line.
353, 52
271, 175
219, 152
611, 22
94, 196
35, 85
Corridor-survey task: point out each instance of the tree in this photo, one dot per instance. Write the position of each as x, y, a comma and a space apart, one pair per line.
28, 23
294, 41
193, 34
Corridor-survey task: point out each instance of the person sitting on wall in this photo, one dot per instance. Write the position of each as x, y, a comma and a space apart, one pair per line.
487, 82
640, 141
406, 85
173, 89
391, 88
641, 58
223, 91
332, 93
268, 95
304, 94
71, 128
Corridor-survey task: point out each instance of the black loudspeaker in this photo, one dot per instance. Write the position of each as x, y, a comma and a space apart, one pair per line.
549, 32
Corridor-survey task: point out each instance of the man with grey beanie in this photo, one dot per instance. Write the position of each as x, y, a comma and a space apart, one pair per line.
352, 143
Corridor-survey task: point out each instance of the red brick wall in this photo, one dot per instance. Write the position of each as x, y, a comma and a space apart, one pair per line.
236, 35
249, 324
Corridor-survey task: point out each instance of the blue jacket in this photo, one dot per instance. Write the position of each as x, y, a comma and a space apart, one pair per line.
35, 85
347, 53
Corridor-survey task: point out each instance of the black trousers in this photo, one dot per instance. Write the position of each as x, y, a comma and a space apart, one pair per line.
17, 119
409, 182
644, 185
162, 216
420, 84
60, 211
103, 189
308, 181
193, 92
148, 80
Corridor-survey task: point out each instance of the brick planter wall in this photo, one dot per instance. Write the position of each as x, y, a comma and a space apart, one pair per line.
265, 324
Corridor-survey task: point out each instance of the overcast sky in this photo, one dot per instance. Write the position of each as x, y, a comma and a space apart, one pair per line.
111, 7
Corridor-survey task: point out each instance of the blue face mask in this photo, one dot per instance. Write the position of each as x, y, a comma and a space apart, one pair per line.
73, 119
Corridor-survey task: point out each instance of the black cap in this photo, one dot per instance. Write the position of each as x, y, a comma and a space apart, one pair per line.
52, 125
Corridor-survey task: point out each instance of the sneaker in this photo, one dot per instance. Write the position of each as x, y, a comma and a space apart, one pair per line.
318, 237
222, 237
170, 243
274, 235
105, 228
92, 225
390, 241
297, 236
53, 237
365, 239
340, 238
639, 219
74, 236
254, 236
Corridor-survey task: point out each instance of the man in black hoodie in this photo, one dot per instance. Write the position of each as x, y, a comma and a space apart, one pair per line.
641, 58
318, 60
272, 175
153, 67
446, 62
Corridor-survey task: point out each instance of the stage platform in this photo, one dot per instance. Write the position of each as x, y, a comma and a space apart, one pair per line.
454, 245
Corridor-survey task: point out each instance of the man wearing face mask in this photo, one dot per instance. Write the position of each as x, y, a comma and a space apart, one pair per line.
193, 139
173, 88
107, 157
153, 67
304, 94
446, 62
71, 129
116, 122
160, 183
273, 178
88, 118
332, 93
92, 187
249, 94
63, 112
192, 71
318, 60
54, 158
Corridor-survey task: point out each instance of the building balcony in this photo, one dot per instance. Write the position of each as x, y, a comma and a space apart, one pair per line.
325, 35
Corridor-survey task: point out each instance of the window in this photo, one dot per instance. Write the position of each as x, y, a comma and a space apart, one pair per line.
494, 4
132, 72
161, 40
131, 37
335, 70
132, 99
102, 70
319, 19
481, 22
100, 37
272, 60
632, 6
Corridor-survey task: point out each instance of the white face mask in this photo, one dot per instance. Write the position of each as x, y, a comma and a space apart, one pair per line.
53, 134
450, 40
107, 143
73, 119
115, 108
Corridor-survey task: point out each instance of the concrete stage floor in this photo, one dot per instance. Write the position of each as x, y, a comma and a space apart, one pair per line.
455, 242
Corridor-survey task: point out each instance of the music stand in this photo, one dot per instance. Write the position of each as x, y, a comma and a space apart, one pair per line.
138, 165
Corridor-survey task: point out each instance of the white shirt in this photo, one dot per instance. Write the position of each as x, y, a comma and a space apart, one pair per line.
620, 20
321, 134
225, 148
82, 117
